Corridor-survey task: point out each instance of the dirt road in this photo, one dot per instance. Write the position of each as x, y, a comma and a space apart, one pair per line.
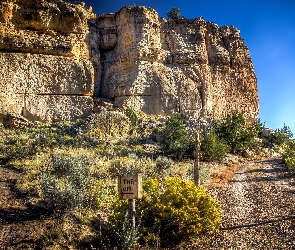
258, 210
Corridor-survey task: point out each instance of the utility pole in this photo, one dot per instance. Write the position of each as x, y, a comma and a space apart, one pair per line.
197, 159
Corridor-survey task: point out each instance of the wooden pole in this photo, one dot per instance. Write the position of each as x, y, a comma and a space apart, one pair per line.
196, 159
131, 212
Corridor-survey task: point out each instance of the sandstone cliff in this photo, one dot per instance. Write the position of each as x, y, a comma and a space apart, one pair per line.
187, 66
55, 57
49, 56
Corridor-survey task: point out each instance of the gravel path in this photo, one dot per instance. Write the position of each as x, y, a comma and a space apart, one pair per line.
258, 210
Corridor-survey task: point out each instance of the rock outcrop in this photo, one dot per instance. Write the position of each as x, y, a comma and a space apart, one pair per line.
58, 57
48, 59
187, 66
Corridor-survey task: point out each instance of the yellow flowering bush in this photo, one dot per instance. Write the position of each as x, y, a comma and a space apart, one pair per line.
173, 211
289, 156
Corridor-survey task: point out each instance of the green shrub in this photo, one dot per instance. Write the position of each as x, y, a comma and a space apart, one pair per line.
174, 139
130, 113
176, 211
205, 176
289, 156
132, 164
235, 132
289, 160
174, 14
212, 148
280, 136
126, 237
257, 126
103, 125
163, 165
25, 143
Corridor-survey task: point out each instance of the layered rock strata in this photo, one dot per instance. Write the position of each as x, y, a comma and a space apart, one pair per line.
57, 57
49, 59
188, 66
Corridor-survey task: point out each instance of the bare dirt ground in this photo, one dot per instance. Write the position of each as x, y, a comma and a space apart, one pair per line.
258, 210
21, 225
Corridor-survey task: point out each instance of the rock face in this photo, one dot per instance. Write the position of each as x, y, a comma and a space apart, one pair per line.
187, 66
49, 59
56, 57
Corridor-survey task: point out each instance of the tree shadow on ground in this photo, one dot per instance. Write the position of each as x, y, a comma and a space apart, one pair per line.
264, 179
268, 171
15, 207
14, 215
277, 220
278, 172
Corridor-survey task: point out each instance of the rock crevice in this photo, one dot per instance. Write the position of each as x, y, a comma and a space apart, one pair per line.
66, 56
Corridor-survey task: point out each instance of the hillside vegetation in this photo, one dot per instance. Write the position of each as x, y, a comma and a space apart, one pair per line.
72, 168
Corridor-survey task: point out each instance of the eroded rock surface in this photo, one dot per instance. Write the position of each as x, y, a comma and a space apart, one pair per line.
187, 66
57, 57
48, 59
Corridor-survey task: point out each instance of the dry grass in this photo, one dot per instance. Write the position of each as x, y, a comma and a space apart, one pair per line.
221, 175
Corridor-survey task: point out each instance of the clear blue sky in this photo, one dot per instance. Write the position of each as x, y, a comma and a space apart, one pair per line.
268, 28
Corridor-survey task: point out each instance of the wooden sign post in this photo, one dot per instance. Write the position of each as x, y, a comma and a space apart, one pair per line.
196, 159
130, 187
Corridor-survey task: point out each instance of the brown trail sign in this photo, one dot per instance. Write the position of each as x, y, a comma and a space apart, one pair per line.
130, 187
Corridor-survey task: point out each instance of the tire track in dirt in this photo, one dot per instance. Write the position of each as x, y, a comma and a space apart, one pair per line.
238, 207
